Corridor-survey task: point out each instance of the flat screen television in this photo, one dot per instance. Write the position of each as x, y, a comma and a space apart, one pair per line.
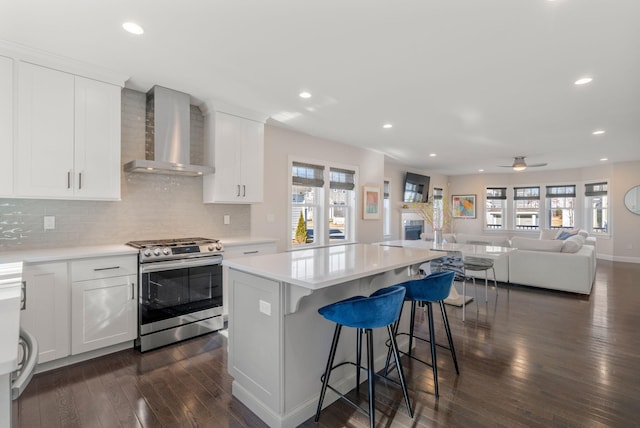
416, 188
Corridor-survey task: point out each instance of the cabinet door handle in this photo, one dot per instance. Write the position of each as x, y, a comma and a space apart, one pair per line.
251, 252
244, 190
238, 192
23, 296
69, 179
107, 268
79, 180
133, 291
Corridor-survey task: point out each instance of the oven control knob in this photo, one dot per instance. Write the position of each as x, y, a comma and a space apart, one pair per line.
165, 251
211, 247
218, 246
147, 253
156, 251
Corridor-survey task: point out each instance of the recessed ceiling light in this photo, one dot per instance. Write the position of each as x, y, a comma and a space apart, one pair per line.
583, 81
305, 94
598, 132
481, 170
133, 28
433, 155
387, 126
604, 159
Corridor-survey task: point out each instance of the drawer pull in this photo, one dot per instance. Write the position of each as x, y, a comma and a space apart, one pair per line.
107, 268
251, 252
133, 291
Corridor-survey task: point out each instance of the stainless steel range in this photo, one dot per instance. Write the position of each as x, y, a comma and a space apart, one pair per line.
180, 289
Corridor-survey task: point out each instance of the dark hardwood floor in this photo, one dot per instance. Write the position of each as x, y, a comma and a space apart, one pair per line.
527, 358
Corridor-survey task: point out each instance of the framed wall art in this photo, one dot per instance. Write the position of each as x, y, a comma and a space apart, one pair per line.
463, 206
370, 203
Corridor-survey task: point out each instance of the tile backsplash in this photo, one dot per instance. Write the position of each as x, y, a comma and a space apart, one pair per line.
152, 206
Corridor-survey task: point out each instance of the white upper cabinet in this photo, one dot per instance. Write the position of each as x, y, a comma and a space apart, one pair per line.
97, 140
6, 126
236, 149
44, 149
68, 144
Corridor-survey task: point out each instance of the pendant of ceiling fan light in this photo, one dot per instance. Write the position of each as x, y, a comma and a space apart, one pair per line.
520, 165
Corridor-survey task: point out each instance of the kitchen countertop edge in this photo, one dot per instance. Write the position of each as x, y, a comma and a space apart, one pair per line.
65, 253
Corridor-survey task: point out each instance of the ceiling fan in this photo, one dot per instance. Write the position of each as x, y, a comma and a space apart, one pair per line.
520, 165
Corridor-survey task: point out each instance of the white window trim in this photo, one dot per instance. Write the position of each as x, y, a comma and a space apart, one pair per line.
324, 242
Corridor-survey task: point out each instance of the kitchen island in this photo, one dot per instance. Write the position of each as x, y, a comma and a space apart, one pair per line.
278, 343
10, 277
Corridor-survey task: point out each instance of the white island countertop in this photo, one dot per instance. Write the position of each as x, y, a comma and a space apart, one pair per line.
327, 266
491, 251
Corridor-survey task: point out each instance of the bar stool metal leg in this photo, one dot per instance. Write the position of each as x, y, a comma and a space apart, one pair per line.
327, 371
447, 329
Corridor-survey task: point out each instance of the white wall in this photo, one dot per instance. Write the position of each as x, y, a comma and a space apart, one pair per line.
269, 219
395, 172
625, 226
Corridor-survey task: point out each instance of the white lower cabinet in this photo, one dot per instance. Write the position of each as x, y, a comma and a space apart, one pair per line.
103, 313
46, 308
81, 305
245, 249
103, 302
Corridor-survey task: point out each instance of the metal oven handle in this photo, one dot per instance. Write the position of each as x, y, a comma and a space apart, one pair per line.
180, 264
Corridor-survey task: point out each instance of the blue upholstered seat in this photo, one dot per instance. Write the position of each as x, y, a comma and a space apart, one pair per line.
381, 309
432, 288
378, 310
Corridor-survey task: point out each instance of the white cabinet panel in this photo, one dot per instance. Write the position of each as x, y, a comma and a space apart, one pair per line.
68, 143
6, 126
44, 149
46, 313
238, 157
97, 139
103, 312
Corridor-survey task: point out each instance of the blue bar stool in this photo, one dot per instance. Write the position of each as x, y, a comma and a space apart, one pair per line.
433, 288
381, 309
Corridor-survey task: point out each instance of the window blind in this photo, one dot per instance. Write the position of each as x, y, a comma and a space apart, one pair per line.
437, 193
595, 189
343, 179
561, 191
496, 193
526, 193
304, 174
386, 190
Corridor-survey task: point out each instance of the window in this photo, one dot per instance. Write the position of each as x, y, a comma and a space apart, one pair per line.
561, 202
306, 198
386, 209
526, 207
322, 204
438, 209
597, 212
341, 197
495, 208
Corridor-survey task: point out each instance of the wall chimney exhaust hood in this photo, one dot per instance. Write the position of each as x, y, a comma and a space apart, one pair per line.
167, 143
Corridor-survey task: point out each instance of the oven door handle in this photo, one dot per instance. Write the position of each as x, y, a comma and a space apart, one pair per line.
180, 264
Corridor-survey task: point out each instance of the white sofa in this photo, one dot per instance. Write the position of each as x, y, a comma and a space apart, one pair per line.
566, 265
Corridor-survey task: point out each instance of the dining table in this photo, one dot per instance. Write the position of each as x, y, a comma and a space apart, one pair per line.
493, 252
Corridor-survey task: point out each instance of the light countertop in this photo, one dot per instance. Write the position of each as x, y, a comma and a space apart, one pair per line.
65, 253
490, 251
10, 278
246, 240
323, 267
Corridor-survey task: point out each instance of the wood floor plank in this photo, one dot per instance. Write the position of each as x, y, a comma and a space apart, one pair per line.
528, 358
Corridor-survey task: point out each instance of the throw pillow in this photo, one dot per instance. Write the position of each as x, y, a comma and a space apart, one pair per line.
573, 244
548, 233
565, 233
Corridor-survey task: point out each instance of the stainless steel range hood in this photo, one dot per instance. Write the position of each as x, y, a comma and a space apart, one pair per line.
167, 145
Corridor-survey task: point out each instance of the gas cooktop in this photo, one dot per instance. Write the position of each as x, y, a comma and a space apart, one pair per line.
167, 249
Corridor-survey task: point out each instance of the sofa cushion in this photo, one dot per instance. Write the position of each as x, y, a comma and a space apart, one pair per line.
573, 244
548, 233
531, 244
497, 240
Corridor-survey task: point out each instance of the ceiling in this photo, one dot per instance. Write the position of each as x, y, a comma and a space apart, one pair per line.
474, 82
